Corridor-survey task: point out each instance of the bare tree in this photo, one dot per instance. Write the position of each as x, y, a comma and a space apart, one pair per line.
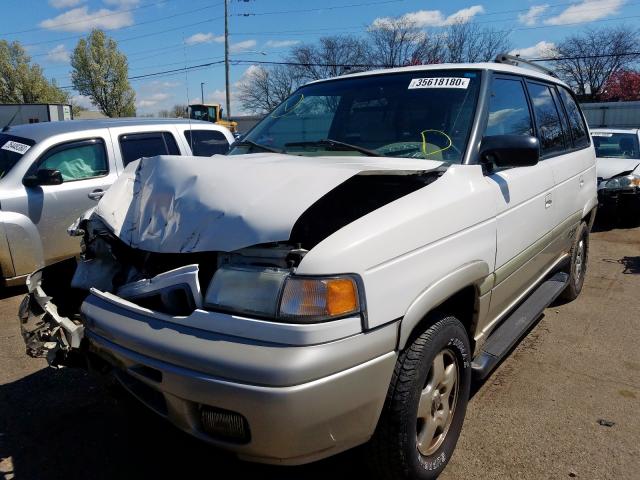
468, 42
264, 89
587, 60
396, 42
332, 56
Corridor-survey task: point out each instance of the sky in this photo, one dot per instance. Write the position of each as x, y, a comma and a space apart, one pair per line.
163, 35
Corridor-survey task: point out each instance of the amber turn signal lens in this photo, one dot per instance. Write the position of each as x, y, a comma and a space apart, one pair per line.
342, 296
313, 299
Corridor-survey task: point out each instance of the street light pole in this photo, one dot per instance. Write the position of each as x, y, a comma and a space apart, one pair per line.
226, 57
202, 91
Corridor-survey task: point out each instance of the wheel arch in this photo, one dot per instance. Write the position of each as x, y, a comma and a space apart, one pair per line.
457, 293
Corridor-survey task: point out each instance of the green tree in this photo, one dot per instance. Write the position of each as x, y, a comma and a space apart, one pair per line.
100, 72
22, 81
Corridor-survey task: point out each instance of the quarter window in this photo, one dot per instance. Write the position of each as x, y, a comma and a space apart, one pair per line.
77, 161
205, 143
547, 119
508, 109
577, 127
137, 145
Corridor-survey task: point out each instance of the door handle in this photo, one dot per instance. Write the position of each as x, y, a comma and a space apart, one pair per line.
96, 194
548, 201
581, 182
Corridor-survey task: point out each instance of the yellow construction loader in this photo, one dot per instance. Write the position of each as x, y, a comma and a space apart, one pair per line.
211, 112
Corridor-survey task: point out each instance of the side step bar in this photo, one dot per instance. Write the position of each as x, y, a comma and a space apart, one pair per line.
514, 327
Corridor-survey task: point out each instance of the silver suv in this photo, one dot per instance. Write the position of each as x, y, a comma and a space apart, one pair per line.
50, 173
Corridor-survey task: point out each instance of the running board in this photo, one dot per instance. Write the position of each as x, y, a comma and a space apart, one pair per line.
502, 340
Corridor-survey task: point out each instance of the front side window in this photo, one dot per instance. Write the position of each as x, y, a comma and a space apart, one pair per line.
77, 161
137, 145
205, 143
577, 127
508, 109
550, 131
616, 145
422, 114
12, 149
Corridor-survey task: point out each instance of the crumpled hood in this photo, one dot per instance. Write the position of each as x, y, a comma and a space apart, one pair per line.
171, 204
610, 167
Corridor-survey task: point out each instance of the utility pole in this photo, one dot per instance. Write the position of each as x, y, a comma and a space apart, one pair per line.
226, 56
202, 91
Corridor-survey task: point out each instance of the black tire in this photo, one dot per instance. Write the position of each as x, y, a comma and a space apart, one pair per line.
393, 452
578, 267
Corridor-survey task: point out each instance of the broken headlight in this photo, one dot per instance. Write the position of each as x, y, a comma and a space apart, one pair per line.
628, 181
276, 294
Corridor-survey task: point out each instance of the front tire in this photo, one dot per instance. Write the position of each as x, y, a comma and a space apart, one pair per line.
578, 265
426, 403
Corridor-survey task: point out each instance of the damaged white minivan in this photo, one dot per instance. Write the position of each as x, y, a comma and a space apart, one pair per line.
339, 277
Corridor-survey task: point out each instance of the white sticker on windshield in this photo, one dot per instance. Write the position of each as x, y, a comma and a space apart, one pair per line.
440, 82
601, 134
16, 147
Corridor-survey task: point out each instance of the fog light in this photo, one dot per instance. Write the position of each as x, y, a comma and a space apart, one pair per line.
224, 425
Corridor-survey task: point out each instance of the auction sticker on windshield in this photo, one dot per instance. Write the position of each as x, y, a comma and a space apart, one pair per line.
439, 82
16, 147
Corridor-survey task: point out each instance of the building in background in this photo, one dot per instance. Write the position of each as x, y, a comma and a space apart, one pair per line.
17, 113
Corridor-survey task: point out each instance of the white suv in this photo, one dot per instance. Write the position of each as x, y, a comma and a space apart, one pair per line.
339, 277
52, 172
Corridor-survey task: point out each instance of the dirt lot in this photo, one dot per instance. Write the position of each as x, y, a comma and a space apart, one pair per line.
536, 417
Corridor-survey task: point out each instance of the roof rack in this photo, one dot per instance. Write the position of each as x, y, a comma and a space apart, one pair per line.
516, 61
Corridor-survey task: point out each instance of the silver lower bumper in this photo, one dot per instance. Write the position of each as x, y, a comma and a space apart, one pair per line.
289, 425
301, 403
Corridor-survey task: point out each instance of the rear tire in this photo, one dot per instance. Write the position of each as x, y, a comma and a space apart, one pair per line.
578, 266
425, 406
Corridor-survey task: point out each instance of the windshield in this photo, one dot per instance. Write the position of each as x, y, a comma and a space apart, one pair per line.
11, 151
616, 145
421, 114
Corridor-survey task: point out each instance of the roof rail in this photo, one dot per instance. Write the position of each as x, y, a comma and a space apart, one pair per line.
516, 61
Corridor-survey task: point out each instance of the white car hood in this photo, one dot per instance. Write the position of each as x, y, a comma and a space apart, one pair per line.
610, 167
171, 204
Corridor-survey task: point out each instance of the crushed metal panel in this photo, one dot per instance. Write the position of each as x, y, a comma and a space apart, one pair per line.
190, 204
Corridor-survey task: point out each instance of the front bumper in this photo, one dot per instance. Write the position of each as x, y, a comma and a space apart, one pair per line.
612, 201
301, 403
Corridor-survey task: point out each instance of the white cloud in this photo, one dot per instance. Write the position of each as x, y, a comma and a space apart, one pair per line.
531, 17
64, 3
81, 20
281, 43
197, 38
152, 100
432, 18
58, 54
540, 49
241, 46
586, 11
83, 101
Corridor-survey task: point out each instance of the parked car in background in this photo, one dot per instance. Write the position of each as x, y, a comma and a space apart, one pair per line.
52, 172
618, 167
340, 275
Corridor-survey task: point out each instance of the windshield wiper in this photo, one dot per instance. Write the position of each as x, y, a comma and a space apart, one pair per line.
334, 143
251, 143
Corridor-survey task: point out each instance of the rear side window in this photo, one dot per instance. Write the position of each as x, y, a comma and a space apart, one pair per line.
550, 133
508, 109
577, 127
205, 143
137, 145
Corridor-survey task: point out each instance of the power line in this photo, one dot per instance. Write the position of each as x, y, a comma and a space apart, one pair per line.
320, 9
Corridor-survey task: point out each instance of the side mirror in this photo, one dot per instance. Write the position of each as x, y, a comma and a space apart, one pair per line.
510, 150
44, 176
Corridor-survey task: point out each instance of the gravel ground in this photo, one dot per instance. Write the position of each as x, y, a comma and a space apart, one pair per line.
536, 417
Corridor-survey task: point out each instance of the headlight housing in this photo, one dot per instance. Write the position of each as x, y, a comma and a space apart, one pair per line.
628, 181
277, 294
